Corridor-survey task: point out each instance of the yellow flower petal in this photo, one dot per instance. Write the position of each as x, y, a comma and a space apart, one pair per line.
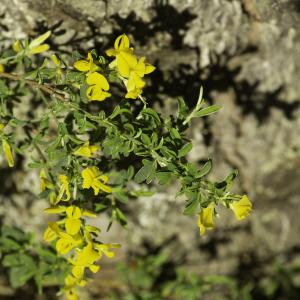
241, 208
64, 189
122, 42
149, 69
55, 60
78, 271
49, 235
72, 226
97, 79
8, 154
134, 94
2, 69
17, 46
39, 40
82, 65
111, 52
73, 212
205, 219
63, 246
86, 150
39, 49
71, 294
94, 268
55, 210
88, 213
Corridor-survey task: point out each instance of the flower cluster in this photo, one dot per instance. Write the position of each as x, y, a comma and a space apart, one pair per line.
130, 69
72, 235
98, 85
241, 209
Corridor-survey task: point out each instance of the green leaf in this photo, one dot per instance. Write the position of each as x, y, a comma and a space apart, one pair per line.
4, 89
152, 113
142, 193
130, 172
191, 206
205, 169
175, 134
121, 217
185, 150
164, 177
100, 207
18, 276
146, 139
17, 259
121, 197
207, 111
183, 109
146, 171
74, 77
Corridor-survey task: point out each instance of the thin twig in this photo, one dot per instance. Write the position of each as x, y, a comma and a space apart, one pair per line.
47, 88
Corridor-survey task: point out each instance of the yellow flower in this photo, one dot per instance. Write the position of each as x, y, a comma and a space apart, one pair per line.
55, 60
37, 46
55, 210
241, 208
92, 179
71, 294
52, 232
205, 219
85, 259
64, 189
86, 150
44, 182
70, 287
67, 242
122, 43
133, 94
2, 69
71, 281
17, 46
7, 152
73, 221
86, 66
98, 87
105, 248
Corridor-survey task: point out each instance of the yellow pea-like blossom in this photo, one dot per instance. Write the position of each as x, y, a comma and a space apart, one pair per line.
122, 43
129, 67
86, 150
2, 69
64, 189
98, 87
45, 183
17, 46
86, 65
85, 258
36, 46
205, 219
241, 208
93, 179
105, 248
7, 152
67, 242
52, 232
70, 287
73, 221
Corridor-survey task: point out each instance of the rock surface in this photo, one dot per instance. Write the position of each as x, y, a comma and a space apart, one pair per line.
246, 55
